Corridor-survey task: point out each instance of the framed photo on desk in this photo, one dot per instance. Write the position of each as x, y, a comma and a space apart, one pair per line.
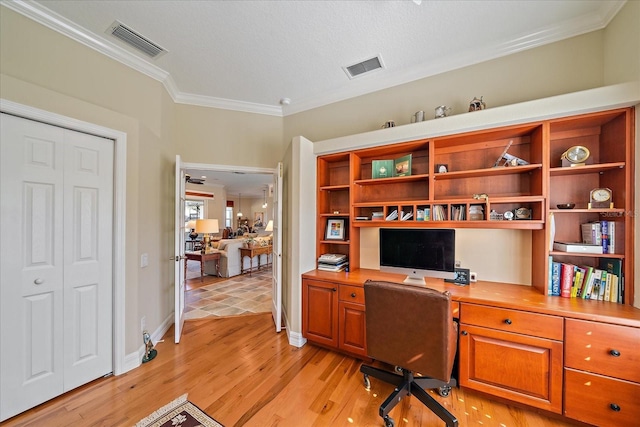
335, 229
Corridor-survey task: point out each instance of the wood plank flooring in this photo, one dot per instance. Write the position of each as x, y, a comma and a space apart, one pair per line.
238, 370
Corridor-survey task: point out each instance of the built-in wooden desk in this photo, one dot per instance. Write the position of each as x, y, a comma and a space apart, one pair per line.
568, 356
202, 258
251, 252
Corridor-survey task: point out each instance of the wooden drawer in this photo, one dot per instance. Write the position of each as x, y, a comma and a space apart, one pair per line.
353, 294
521, 322
611, 350
600, 400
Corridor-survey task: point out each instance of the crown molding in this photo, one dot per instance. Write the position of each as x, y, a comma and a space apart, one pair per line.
56, 22
584, 24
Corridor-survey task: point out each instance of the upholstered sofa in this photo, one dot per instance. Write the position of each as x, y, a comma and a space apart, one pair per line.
230, 258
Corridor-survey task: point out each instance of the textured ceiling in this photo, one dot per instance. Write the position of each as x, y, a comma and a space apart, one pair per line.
247, 55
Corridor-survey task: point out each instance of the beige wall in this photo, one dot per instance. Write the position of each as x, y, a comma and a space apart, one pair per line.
566, 66
622, 45
223, 137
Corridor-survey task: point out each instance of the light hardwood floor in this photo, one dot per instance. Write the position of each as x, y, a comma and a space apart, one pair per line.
238, 370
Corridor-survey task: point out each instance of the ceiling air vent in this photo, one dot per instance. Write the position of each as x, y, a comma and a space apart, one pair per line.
136, 40
363, 67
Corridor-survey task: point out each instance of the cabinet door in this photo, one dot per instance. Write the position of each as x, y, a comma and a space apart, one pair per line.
352, 328
517, 367
320, 312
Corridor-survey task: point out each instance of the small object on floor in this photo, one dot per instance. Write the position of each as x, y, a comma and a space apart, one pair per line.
150, 353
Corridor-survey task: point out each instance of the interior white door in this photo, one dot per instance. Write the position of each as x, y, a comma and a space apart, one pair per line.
49, 341
179, 275
88, 258
276, 294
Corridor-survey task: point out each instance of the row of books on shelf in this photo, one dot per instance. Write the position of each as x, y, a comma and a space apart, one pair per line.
333, 262
601, 233
604, 283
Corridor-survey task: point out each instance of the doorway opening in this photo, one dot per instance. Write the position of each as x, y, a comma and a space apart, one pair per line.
240, 189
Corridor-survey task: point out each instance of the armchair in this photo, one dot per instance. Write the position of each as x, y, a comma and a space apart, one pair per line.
412, 328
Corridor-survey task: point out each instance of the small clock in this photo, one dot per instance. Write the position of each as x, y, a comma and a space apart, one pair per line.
508, 215
575, 156
600, 198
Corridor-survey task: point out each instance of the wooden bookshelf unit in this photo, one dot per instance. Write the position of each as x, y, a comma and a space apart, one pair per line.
550, 350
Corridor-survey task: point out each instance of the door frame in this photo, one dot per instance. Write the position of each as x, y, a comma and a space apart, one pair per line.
119, 212
242, 169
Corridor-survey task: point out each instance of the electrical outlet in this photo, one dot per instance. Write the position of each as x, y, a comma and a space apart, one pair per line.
143, 323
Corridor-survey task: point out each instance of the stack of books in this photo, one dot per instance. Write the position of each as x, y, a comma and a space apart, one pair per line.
601, 233
377, 215
604, 283
333, 262
439, 213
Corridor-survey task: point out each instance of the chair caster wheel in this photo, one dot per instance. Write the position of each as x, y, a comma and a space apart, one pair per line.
388, 422
444, 390
367, 382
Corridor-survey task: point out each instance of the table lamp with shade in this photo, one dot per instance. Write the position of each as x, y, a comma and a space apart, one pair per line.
207, 227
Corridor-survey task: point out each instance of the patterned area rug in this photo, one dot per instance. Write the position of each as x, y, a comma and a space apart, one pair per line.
179, 413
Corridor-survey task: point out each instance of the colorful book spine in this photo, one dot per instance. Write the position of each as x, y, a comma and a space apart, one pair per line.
594, 287
604, 225
587, 282
577, 282
612, 237
555, 279
603, 286
614, 288
566, 280
591, 234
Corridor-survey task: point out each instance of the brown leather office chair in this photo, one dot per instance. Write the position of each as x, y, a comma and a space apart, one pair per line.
412, 328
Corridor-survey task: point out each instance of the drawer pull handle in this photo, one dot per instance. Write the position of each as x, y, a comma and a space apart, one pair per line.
334, 289
507, 321
614, 407
614, 353
463, 333
353, 294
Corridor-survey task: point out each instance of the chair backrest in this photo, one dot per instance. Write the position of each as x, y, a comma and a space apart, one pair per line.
411, 327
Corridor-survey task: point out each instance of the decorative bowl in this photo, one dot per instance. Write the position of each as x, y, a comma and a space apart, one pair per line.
566, 205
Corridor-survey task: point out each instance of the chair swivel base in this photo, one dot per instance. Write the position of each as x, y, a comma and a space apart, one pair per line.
406, 385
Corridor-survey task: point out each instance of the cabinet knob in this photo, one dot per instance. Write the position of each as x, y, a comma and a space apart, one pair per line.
353, 295
38, 281
614, 407
614, 353
334, 289
507, 321
464, 333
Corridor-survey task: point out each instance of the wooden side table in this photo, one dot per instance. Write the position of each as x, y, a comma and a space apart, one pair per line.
202, 258
251, 252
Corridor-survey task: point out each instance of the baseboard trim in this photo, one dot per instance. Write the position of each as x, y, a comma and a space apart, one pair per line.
295, 338
134, 360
